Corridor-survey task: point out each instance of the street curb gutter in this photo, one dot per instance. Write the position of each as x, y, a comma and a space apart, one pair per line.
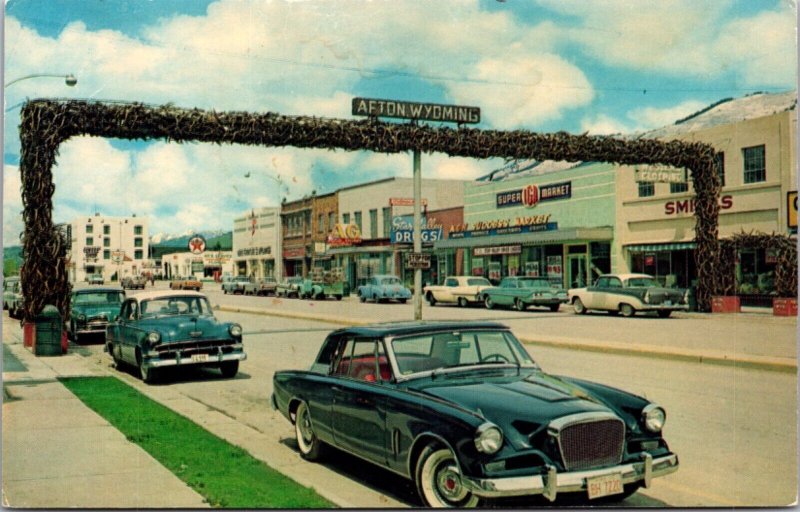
778, 364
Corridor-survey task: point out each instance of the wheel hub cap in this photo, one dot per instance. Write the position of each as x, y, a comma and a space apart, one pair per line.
449, 483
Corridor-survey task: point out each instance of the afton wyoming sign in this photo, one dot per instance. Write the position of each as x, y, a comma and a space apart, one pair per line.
411, 110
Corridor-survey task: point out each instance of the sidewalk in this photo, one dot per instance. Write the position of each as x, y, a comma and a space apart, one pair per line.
58, 453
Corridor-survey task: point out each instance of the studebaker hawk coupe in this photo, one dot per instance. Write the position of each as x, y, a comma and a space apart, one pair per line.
164, 329
461, 290
628, 294
522, 292
463, 411
383, 288
92, 309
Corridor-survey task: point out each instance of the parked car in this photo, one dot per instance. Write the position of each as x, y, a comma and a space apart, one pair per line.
261, 286
185, 283
134, 282
464, 412
159, 330
628, 294
12, 296
91, 309
96, 279
523, 292
290, 287
382, 288
235, 285
461, 290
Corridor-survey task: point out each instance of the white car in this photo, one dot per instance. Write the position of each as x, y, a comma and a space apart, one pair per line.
461, 290
628, 294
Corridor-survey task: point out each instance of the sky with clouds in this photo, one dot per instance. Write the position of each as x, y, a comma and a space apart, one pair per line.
603, 67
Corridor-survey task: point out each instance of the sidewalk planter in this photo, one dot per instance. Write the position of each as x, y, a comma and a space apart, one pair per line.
726, 304
782, 306
49, 332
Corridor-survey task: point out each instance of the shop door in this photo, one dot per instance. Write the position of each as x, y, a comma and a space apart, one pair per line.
577, 276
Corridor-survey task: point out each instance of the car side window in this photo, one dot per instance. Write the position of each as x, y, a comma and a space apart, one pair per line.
602, 282
614, 282
451, 282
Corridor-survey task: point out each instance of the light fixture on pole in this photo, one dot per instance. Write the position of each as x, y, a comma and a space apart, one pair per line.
69, 79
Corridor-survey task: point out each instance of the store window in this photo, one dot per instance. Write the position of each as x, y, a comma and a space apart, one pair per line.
755, 273
755, 167
647, 189
600, 253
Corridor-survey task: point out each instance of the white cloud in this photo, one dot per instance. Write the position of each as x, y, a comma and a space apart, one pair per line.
12, 205
640, 119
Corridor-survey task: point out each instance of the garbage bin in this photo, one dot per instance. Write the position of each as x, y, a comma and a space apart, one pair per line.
48, 332
692, 298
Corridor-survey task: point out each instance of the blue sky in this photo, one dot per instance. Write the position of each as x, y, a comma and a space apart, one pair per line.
603, 67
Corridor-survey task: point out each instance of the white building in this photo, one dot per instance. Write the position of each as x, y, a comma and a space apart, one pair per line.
115, 247
185, 264
256, 242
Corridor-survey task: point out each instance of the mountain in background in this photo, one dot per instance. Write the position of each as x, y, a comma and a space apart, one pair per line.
223, 238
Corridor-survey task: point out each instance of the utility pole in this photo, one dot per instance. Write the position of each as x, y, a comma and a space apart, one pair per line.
417, 234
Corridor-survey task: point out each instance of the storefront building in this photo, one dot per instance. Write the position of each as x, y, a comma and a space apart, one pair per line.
435, 224
210, 264
257, 243
361, 240
297, 241
757, 167
114, 247
558, 225
324, 212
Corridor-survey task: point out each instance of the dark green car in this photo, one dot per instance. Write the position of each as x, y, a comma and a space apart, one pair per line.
159, 330
92, 309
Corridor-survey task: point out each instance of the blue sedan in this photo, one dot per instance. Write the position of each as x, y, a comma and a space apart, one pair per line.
383, 288
158, 330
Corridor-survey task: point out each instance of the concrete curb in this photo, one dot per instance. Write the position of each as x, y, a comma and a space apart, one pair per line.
779, 364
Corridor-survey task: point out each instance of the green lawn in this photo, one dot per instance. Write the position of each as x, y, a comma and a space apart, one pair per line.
226, 475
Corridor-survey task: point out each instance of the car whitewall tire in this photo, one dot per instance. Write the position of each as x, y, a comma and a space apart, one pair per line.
580, 309
307, 441
438, 480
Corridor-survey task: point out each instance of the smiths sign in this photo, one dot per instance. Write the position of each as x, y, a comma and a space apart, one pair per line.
532, 195
410, 110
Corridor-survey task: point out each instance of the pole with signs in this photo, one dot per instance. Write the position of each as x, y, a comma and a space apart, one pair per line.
417, 234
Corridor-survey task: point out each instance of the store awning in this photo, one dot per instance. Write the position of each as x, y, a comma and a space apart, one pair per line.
601, 234
674, 246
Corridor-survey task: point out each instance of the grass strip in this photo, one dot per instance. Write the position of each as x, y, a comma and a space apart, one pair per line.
225, 475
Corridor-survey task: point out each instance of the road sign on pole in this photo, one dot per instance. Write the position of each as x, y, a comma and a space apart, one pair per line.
418, 260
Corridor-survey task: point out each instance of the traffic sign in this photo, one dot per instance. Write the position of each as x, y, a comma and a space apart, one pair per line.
418, 260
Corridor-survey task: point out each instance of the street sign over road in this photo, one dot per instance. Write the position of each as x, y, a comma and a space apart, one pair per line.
418, 260
411, 110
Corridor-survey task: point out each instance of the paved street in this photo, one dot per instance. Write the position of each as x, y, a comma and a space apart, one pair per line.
733, 428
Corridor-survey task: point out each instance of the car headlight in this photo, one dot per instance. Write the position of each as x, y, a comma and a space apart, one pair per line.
235, 330
153, 338
81, 318
488, 438
654, 418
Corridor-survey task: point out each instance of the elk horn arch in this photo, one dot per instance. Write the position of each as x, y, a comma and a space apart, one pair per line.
46, 123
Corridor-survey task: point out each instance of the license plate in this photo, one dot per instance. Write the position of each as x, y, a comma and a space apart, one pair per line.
605, 485
199, 358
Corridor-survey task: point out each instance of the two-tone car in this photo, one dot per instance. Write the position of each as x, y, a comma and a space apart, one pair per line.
12, 296
185, 283
91, 309
461, 290
160, 330
134, 282
524, 292
235, 285
291, 287
261, 286
383, 288
628, 294
463, 411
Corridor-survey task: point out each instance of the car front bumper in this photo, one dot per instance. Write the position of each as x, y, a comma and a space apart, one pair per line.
552, 483
185, 360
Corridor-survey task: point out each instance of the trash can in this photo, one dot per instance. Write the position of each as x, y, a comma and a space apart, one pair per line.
48, 332
692, 298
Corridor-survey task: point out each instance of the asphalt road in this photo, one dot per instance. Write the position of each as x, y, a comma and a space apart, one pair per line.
734, 429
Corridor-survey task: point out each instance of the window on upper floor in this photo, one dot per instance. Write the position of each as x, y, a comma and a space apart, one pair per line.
357, 216
647, 189
345, 218
137, 254
106, 254
106, 229
373, 223
137, 230
678, 188
89, 229
331, 220
106, 242
89, 241
138, 242
387, 221
321, 223
755, 164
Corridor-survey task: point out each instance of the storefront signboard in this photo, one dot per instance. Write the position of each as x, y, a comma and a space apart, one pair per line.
503, 249
344, 235
197, 266
510, 230
791, 209
687, 205
405, 201
412, 110
403, 230
532, 195
197, 244
90, 251
254, 251
418, 260
554, 267
659, 174
117, 256
295, 253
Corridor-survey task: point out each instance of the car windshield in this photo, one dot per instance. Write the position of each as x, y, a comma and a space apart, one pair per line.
389, 280
534, 283
99, 298
478, 281
171, 306
434, 351
641, 282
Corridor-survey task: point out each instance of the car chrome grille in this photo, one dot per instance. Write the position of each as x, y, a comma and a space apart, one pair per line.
187, 348
591, 444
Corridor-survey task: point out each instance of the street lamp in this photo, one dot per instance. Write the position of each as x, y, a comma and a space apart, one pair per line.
69, 79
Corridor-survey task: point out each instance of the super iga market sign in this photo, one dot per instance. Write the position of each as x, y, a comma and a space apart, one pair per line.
532, 195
